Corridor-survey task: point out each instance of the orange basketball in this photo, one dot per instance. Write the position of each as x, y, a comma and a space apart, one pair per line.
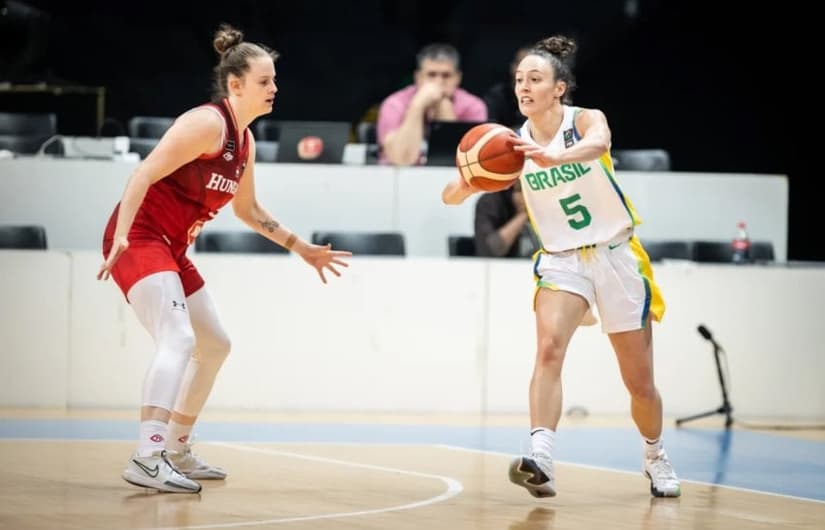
486, 158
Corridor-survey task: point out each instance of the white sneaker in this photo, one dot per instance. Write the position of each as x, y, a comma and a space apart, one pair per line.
194, 467
158, 473
663, 479
534, 472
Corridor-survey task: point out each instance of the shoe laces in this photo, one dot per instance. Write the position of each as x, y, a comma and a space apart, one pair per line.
165, 456
544, 462
661, 468
188, 459
182, 457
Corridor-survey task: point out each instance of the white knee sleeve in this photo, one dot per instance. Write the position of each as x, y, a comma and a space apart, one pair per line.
160, 305
211, 348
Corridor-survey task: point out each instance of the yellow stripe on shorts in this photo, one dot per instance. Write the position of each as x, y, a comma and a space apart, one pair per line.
654, 303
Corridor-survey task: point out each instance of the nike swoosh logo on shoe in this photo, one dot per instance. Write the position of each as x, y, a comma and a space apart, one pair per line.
152, 472
611, 247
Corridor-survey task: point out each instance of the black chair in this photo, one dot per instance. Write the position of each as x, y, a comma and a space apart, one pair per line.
25, 237
461, 245
266, 151
111, 128
142, 146
24, 133
712, 251
722, 252
668, 249
26, 145
28, 124
149, 126
363, 243
145, 132
366, 133
267, 130
641, 159
762, 251
237, 242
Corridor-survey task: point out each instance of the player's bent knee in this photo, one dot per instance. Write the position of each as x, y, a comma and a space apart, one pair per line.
644, 390
215, 349
223, 345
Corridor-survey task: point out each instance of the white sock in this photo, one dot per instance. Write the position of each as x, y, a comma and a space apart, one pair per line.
652, 447
178, 436
542, 439
152, 437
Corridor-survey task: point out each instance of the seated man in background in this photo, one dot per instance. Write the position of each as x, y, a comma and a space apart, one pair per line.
434, 96
501, 227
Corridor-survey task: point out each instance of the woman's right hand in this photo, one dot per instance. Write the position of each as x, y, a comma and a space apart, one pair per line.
457, 190
119, 246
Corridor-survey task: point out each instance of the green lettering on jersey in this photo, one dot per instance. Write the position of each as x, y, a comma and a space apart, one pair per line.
569, 172
544, 180
532, 181
555, 172
557, 175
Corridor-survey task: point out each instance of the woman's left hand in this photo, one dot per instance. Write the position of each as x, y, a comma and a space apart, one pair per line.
322, 257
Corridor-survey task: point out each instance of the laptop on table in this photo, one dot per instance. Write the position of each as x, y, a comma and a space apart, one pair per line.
312, 142
443, 139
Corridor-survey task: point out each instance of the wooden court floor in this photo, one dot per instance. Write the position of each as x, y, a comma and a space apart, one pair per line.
74, 484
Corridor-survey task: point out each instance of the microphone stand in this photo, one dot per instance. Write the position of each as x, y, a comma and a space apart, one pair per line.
726, 407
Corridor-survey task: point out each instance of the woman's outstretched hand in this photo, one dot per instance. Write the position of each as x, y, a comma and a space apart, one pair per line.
322, 257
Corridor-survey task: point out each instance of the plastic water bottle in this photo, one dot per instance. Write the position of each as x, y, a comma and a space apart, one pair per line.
741, 244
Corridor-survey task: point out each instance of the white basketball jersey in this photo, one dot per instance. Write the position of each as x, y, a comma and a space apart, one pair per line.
574, 205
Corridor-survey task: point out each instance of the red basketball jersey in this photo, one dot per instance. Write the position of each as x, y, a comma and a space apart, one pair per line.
176, 207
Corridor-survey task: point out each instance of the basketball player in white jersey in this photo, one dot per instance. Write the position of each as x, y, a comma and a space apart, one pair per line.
589, 256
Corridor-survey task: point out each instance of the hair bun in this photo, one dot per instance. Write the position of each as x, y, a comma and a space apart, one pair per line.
557, 45
226, 37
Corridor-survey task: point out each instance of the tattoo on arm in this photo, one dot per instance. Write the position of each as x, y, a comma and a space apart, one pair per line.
270, 225
290, 241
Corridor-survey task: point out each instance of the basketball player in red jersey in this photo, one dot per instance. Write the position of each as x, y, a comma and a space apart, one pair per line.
205, 160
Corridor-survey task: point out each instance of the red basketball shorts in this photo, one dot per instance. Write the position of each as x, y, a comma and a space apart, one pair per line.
148, 256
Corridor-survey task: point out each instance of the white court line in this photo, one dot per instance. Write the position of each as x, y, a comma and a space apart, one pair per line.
454, 487
626, 472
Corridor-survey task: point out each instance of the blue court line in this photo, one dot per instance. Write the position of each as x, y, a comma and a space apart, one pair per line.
743, 459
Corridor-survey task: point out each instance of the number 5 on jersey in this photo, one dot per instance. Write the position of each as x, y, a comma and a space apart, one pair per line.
577, 215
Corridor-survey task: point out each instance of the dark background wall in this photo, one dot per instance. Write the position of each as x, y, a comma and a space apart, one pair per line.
707, 81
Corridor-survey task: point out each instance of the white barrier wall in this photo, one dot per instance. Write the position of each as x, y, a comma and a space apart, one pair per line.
35, 327
73, 200
409, 335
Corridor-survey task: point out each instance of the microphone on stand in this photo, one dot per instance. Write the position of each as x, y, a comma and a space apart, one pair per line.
705, 333
726, 407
